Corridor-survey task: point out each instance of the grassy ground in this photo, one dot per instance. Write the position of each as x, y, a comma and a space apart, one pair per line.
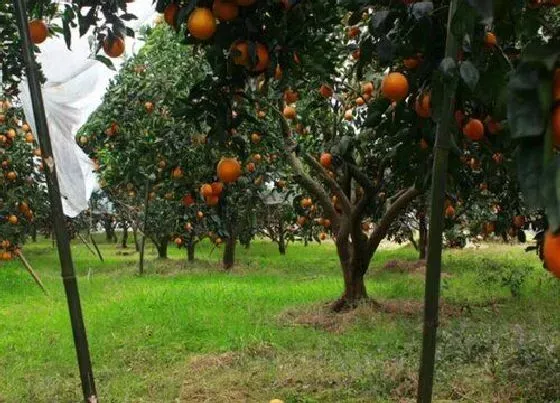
196, 334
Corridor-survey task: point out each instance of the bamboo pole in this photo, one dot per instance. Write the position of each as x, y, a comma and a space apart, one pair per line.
435, 235
63, 241
31, 272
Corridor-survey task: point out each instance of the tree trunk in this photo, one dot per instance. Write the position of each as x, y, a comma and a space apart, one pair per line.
162, 248
135, 237
281, 238
354, 261
423, 236
190, 251
229, 252
125, 235
34, 232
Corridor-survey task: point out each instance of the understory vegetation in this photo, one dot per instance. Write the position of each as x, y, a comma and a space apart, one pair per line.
191, 332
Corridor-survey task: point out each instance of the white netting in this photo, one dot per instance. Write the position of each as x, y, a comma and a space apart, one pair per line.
74, 89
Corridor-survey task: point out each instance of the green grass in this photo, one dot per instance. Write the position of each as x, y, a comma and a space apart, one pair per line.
195, 333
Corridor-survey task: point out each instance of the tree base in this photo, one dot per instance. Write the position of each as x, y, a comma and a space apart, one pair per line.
345, 304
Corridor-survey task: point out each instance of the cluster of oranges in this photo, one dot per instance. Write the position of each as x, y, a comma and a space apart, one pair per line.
8, 251
211, 192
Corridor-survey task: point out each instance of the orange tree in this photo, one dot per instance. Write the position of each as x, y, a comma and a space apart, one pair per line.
21, 184
534, 117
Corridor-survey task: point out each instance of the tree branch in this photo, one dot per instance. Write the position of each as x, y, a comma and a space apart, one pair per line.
406, 196
333, 185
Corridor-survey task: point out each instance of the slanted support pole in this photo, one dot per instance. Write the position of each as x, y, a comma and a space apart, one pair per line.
62, 237
435, 235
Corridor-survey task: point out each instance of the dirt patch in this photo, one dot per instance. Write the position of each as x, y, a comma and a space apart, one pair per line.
322, 317
414, 267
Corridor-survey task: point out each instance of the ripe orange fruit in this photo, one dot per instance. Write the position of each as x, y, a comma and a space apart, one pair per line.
263, 58
245, 3
23, 207
255, 138
3, 139
229, 169
11, 176
411, 63
178, 241
326, 160
348, 114
326, 223
552, 253
170, 13
367, 88
149, 106
177, 173
29, 138
301, 221
261, 114
12, 219
490, 39
251, 167
212, 200
423, 107
556, 126
6, 255
202, 24
322, 236
199, 215
556, 86
289, 112
114, 47
474, 129
240, 53
187, 200
217, 188
290, 96
11, 134
450, 212
188, 226
395, 87
38, 31
326, 91
354, 31
360, 101
206, 190
225, 10
37, 152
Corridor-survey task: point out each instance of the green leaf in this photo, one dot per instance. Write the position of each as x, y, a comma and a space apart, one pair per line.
530, 169
526, 114
469, 74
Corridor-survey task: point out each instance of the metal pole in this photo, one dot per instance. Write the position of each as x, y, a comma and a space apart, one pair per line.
433, 271
62, 237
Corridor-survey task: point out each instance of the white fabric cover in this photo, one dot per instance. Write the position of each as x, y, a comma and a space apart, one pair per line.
74, 88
